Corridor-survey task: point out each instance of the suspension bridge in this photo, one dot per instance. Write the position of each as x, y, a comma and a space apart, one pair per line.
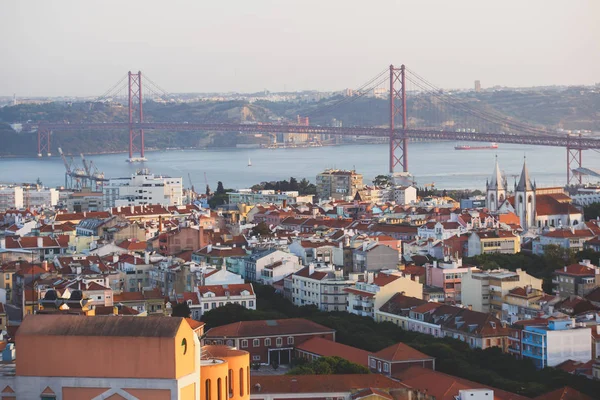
446, 114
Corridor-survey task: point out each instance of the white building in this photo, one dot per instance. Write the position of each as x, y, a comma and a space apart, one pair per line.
255, 263
209, 297
405, 195
367, 296
250, 197
11, 197
40, 197
143, 188
322, 287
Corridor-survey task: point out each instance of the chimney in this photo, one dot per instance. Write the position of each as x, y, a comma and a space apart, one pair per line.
284, 205
115, 258
132, 209
45, 265
84, 214
201, 242
311, 268
146, 257
160, 223
209, 248
565, 268
40, 242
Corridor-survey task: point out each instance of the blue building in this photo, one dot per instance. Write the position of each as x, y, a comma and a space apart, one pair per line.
558, 341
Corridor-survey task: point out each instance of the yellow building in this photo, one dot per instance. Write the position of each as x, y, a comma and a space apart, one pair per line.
72, 357
75, 357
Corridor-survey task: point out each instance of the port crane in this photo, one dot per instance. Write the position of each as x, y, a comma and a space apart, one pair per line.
77, 178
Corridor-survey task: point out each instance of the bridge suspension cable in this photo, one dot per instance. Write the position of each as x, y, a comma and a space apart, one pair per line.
115, 89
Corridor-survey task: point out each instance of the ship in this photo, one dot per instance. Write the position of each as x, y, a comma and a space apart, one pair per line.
467, 147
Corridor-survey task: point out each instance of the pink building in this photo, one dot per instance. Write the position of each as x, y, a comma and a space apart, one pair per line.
448, 276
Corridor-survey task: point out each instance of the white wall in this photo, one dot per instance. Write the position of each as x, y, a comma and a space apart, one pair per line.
570, 344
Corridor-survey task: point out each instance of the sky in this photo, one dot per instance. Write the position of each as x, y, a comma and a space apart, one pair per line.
82, 48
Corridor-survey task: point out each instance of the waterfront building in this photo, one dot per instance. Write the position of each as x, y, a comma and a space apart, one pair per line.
250, 197
142, 188
11, 197
338, 184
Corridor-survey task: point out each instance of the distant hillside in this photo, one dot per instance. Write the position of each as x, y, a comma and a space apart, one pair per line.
573, 108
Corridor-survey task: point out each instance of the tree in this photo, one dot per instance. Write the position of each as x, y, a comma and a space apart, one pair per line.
328, 366
382, 181
181, 310
207, 190
261, 229
294, 184
592, 211
220, 189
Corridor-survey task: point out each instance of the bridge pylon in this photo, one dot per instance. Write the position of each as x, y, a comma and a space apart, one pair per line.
398, 145
136, 116
574, 150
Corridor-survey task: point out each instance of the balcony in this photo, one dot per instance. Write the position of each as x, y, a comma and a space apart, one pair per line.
532, 342
555, 281
532, 354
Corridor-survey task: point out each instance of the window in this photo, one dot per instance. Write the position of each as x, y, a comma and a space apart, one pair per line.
213, 305
267, 341
241, 382
251, 303
207, 389
279, 341
379, 366
206, 306
244, 344
386, 367
255, 358
290, 340
256, 343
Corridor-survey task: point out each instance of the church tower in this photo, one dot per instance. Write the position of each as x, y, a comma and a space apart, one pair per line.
525, 199
495, 190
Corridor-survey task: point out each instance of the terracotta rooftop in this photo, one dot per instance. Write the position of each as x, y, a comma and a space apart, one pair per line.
328, 348
316, 275
292, 326
286, 384
133, 245
371, 392
576, 269
73, 325
400, 352
446, 387
31, 242
399, 304
565, 393
567, 233
223, 290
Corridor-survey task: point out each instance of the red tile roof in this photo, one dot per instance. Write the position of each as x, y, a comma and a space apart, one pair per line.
64, 217
576, 269
446, 387
222, 290
567, 233
316, 275
359, 292
31, 242
370, 392
133, 245
292, 326
381, 279
565, 393
401, 352
286, 384
328, 348
222, 252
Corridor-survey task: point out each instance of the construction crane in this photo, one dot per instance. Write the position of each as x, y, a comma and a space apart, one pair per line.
86, 168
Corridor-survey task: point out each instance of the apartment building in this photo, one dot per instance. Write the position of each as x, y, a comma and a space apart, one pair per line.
209, 297
367, 296
142, 188
272, 259
323, 287
576, 279
493, 241
338, 184
448, 276
11, 197
569, 238
525, 303
373, 256
556, 341
251, 198
485, 291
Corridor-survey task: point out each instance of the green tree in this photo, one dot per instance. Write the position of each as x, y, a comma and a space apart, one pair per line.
181, 310
220, 189
261, 229
592, 211
293, 184
382, 181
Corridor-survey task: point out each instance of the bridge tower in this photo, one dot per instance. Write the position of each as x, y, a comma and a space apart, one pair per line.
136, 115
573, 160
43, 141
398, 145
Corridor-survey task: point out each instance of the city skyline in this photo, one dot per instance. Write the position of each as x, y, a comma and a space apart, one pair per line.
233, 48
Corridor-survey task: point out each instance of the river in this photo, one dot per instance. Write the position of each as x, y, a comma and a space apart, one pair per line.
430, 162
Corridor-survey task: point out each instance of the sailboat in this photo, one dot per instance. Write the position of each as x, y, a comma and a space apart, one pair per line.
249, 162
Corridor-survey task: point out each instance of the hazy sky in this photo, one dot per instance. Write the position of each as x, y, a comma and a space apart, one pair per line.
83, 47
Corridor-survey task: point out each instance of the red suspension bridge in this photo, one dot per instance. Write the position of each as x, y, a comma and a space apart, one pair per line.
443, 123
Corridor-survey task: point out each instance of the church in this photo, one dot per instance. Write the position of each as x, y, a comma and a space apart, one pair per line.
537, 208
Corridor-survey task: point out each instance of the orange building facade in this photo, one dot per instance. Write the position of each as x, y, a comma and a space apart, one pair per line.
71, 357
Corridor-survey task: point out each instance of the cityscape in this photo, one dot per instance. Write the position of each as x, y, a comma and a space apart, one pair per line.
252, 212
